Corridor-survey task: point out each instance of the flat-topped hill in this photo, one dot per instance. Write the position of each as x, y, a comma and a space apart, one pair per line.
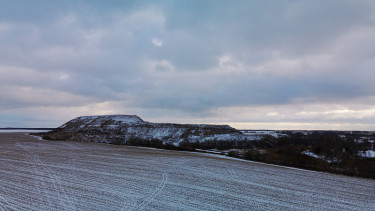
121, 129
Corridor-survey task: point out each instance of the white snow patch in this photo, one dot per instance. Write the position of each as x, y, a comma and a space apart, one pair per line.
99, 119
311, 154
37, 137
368, 154
259, 134
128, 119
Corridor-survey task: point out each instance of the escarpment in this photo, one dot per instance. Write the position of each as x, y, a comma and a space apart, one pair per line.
120, 129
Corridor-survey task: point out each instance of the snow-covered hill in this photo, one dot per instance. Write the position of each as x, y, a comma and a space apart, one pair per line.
122, 128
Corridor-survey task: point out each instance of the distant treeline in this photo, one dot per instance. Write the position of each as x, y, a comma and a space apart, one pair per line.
155, 143
333, 151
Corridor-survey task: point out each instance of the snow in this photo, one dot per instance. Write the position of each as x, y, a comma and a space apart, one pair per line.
259, 134
115, 127
128, 119
57, 175
99, 119
36, 137
311, 154
368, 154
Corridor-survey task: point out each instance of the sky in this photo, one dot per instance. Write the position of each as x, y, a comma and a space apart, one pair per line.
259, 64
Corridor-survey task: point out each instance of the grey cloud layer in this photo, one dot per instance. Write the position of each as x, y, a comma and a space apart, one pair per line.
190, 56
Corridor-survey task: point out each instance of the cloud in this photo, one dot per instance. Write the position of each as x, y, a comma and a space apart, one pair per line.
31, 96
157, 42
192, 60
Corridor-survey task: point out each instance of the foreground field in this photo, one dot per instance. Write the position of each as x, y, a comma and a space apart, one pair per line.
53, 175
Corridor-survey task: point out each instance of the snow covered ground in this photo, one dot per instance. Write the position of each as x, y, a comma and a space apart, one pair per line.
54, 175
368, 154
259, 134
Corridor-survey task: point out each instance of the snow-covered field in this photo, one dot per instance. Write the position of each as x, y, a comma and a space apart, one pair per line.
52, 175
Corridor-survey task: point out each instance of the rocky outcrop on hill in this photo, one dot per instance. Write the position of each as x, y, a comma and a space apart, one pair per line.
120, 129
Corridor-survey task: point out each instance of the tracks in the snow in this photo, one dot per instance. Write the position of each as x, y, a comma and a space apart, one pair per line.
144, 202
66, 201
53, 175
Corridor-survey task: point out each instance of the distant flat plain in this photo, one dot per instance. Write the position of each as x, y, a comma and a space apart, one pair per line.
58, 175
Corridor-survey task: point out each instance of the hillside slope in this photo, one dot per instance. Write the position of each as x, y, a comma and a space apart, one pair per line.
120, 129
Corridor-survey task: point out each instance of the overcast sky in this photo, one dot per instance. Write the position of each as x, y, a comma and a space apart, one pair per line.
285, 64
